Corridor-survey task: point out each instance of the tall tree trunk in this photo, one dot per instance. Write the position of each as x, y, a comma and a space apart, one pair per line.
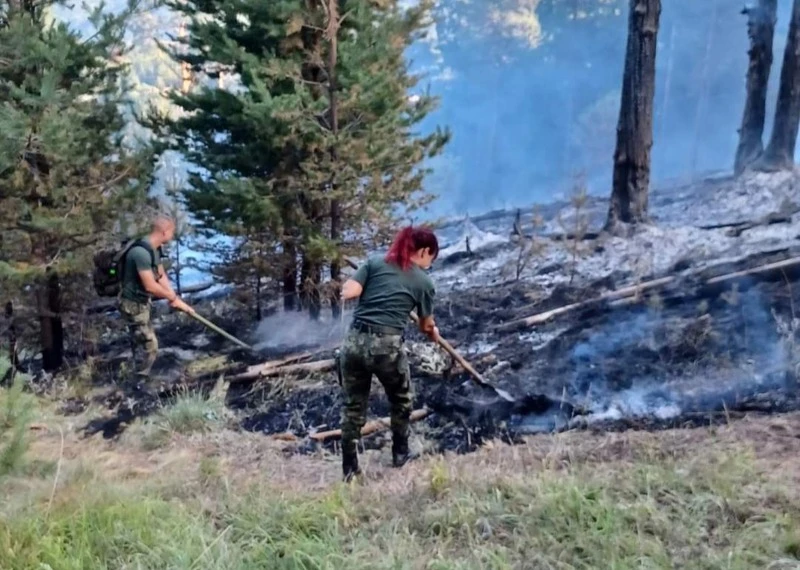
780, 150
635, 127
335, 213
310, 277
51, 332
13, 356
761, 21
259, 308
289, 276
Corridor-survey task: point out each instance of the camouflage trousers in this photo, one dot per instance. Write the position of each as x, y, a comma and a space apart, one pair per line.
363, 355
144, 343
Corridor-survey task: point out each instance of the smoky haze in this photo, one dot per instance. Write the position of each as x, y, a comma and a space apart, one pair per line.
525, 119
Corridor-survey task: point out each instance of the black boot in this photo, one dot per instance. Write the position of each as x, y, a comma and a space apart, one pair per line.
400, 452
350, 467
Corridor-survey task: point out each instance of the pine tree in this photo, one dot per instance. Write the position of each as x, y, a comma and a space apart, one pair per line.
313, 151
64, 172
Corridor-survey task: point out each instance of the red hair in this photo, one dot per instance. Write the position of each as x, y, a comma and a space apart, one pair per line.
408, 241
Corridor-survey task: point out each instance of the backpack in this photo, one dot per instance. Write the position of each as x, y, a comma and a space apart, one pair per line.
109, 265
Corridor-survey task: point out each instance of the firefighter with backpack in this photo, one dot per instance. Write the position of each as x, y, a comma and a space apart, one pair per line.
135, 274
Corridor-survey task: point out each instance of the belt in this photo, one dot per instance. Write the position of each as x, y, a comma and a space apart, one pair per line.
376, 329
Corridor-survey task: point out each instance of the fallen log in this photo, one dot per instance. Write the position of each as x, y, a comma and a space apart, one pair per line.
761, 269
257, 370
608, 296
626, 295
309, 367
369, 428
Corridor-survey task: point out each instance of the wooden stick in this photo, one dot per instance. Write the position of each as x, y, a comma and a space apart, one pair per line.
791, 262
620, 296
369, 428
610, 295
316, 366
256, 370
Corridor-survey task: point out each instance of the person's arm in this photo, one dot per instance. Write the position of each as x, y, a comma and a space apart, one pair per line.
163, 279
354, 286
141, 259
427, 324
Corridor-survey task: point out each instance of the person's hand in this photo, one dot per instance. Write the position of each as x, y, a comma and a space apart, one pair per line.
433, 334
179, 305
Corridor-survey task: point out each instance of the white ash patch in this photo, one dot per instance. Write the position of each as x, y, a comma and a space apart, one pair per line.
539, 339
475, 237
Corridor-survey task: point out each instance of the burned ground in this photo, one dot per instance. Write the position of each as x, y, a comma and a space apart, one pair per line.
700, 349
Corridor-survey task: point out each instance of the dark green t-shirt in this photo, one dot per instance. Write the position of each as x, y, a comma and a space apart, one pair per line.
390, 293
137, 259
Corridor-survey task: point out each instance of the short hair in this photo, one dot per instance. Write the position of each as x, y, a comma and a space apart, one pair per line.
162, 222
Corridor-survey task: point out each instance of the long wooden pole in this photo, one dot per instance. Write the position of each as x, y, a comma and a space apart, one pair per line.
369, 428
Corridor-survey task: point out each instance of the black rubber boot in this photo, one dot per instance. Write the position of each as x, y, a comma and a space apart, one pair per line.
400, 452
350, 468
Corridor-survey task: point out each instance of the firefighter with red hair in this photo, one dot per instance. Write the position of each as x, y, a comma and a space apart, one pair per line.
388, 288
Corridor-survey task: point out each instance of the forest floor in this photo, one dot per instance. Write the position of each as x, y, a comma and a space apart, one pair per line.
655, 423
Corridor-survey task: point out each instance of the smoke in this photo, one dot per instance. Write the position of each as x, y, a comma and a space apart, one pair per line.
665, 363
293, 330
526, 117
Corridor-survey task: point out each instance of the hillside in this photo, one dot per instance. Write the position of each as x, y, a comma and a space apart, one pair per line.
654, 421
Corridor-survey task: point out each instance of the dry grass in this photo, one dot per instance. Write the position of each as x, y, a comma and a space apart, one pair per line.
710, 498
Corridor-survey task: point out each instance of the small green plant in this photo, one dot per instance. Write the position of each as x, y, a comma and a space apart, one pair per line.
16, 409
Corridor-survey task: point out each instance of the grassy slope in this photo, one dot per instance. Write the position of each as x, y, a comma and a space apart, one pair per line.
201, 496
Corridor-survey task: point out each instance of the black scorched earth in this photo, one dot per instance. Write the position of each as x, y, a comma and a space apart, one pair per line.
703, 334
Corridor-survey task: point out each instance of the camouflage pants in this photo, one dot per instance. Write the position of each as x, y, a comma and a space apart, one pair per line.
144, 343
363, 355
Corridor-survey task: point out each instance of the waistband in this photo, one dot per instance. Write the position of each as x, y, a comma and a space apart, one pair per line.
376, 329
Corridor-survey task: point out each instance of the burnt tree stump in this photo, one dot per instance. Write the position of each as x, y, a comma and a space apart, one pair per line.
629, 195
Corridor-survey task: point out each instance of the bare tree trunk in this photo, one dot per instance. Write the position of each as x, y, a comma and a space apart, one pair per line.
335, 212
289, 276
13, 356
780, 150
52, 331
761, 21
259, 307
310, 277
635, 127
187, 77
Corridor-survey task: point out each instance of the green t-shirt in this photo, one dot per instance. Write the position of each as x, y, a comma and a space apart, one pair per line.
137, 259
390, 293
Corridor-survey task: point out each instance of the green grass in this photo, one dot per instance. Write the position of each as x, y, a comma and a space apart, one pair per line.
702, 512
190, 413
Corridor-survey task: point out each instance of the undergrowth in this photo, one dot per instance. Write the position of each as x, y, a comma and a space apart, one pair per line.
16, 408
190, 413
702, 512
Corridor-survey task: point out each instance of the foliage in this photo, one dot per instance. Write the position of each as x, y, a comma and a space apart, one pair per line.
15, 416
280, 168
64, 171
